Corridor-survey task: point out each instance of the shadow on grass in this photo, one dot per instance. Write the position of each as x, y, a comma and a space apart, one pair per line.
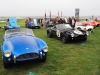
26, 65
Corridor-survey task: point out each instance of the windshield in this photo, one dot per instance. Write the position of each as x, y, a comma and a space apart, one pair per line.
64, 26
16, 32
79, 24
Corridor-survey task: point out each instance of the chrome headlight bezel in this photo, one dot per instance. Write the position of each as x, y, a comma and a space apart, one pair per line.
87, 33
45, 49
77, 32
7, 53
72, 34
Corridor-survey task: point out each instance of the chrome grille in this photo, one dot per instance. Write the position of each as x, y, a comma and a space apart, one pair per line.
27, 56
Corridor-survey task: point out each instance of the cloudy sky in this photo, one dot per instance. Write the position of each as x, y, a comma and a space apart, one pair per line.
38, 7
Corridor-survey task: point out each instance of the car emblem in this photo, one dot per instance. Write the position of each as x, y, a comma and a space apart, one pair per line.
27, 48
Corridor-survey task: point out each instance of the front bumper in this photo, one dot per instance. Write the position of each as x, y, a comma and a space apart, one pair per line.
24, 57
79, 37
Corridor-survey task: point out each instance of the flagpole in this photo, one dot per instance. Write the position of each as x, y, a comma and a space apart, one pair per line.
45, 15
61, 14
50, 14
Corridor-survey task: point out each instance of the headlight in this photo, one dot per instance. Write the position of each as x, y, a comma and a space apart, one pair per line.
7, 53
84, 28
87, 33
72, 35
77, 32
45, 49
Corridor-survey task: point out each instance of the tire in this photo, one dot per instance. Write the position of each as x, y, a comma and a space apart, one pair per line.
5, 28
97, 25
38, 27
90, 31
79, 28
64, 39
49, 35
94, 27
44, 59
84, 39
5, 65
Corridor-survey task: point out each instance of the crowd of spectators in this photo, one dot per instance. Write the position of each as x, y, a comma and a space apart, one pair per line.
45, 22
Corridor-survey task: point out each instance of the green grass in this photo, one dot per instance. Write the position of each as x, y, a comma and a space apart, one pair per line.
81, 58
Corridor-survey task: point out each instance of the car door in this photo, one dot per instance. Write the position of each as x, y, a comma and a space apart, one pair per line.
54, 31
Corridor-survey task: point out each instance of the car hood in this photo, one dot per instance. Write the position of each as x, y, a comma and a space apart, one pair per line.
24, 44
75, 31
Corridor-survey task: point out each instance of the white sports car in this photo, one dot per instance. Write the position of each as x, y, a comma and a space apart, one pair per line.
79, 25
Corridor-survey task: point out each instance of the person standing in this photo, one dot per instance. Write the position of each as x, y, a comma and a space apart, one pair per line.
73, 21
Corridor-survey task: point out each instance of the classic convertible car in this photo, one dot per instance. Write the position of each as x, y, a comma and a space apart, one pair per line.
66, 33
21, 45
87, 28
11, 24
32, 24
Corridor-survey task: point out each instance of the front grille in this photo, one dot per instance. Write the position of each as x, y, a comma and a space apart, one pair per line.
27, 56
80, 37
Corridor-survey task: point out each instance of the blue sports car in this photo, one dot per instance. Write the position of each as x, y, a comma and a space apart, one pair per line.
33, 23
21, 45
11, 24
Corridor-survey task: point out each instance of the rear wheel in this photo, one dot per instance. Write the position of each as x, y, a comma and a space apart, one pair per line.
49, 34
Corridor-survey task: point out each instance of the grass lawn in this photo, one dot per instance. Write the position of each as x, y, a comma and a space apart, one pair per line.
81, 58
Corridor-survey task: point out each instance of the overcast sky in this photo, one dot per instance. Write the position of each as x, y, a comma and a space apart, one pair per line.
38, 7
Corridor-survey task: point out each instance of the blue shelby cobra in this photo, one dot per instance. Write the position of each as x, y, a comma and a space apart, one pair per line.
21, 45
11, 24
33, 24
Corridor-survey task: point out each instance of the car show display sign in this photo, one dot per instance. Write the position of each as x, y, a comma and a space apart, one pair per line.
77, 13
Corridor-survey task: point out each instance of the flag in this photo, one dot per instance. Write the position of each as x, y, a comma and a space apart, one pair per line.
61, 13
50, 14
58, 13
45, 15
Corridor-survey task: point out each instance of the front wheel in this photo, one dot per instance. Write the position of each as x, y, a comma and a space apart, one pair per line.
79, 28
64, 39
84, 39
44, 58
90, 31
38, 27
5, 65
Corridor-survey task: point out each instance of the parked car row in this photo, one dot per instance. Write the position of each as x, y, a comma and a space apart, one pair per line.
20, 44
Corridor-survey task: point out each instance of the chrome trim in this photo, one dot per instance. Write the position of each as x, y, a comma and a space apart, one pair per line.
9, 59
6, 53
14, 59
41, 55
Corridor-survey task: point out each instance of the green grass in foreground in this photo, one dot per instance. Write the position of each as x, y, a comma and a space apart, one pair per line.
81, 58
